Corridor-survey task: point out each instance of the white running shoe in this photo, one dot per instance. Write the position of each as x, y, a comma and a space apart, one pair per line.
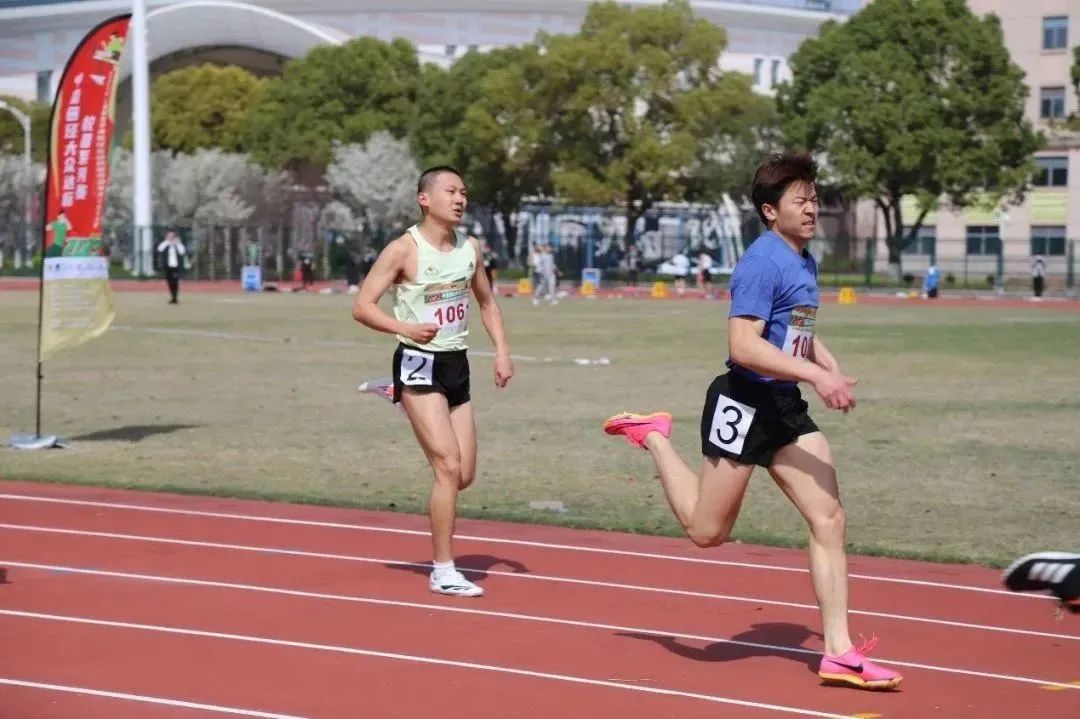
454, 584
381, 387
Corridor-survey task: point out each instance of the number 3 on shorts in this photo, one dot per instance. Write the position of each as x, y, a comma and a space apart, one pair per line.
730, 423
416, 368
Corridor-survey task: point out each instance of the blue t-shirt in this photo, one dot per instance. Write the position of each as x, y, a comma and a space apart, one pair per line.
930, 283
772, 282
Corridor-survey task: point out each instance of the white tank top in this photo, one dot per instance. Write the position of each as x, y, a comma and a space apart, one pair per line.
440, 292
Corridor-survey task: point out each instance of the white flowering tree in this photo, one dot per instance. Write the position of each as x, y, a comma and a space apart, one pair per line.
15, 241
376, 180
209, 188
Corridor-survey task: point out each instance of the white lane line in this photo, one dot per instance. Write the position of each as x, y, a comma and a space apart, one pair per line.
528, 575
499, 540
418, 659
507, 615
144, 699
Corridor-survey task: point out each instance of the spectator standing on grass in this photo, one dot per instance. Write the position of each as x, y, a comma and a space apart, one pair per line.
930, 282
171, 251
1038, 274
491, 263
307, 267
704, 273
633, 262
680, 268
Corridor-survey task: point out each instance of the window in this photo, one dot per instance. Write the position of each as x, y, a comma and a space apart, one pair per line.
758, 62
775, 73
983, 240
1053, 102
1048, 240
451, 50
1052, 172
923, 243
1055, 33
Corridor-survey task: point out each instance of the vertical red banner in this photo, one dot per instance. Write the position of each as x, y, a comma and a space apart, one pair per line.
76, 298
80, 137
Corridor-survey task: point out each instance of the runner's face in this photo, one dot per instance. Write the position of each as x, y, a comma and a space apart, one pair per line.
796, 216
445, 199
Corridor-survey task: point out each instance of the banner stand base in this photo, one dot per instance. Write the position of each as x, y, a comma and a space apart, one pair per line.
26, 440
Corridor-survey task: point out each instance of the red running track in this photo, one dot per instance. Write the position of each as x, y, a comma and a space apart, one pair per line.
123, 604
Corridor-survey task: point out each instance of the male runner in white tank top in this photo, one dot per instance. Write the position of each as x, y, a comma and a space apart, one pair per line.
431, 269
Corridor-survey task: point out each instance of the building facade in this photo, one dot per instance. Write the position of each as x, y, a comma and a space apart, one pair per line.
36, 36
1002, 241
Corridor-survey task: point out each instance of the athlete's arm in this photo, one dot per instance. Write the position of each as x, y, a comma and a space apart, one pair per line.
748, 348
387, 268
491, 316
821, 356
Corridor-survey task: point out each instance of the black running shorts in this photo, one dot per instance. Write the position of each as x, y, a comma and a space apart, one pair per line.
748, 421
423, 371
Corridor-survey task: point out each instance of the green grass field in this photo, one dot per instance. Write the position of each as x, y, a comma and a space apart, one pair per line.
965, 444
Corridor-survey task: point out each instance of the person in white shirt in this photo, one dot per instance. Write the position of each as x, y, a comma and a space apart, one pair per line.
704, 274
543, 266
681, 265
1038, 274
551, 274
172, 252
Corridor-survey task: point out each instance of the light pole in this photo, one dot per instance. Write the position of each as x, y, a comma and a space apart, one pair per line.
28, 180
140, 96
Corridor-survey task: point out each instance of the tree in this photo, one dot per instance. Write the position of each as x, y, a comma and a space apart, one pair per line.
636, 93
727, 160
334, 94
206, 187
505, 136
482, 117
120, 199
912, 97
203, 106
1074, 72
11, 132
1074, 75
376, 180
443, 98
13, 194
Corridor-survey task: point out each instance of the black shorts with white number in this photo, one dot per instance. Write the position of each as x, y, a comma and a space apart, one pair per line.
443, 372
749, 421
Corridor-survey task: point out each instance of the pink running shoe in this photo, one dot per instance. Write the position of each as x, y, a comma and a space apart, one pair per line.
636, 427
853, 668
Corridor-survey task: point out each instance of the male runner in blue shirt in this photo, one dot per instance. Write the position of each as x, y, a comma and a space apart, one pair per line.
755, 415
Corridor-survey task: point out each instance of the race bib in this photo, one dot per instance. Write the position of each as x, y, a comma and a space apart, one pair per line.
800, 332
730, 423
447, 306
417, 368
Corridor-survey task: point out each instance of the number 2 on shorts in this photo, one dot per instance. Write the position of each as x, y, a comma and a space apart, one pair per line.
730, 423
416, 368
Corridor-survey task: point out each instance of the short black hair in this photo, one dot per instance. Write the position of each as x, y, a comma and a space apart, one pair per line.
776, 174
428, 176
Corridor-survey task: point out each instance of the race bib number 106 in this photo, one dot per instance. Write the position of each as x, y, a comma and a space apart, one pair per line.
800, 332
450, 314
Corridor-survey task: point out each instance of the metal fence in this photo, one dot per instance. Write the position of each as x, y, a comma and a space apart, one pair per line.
974, 262
213, 252
580, 240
